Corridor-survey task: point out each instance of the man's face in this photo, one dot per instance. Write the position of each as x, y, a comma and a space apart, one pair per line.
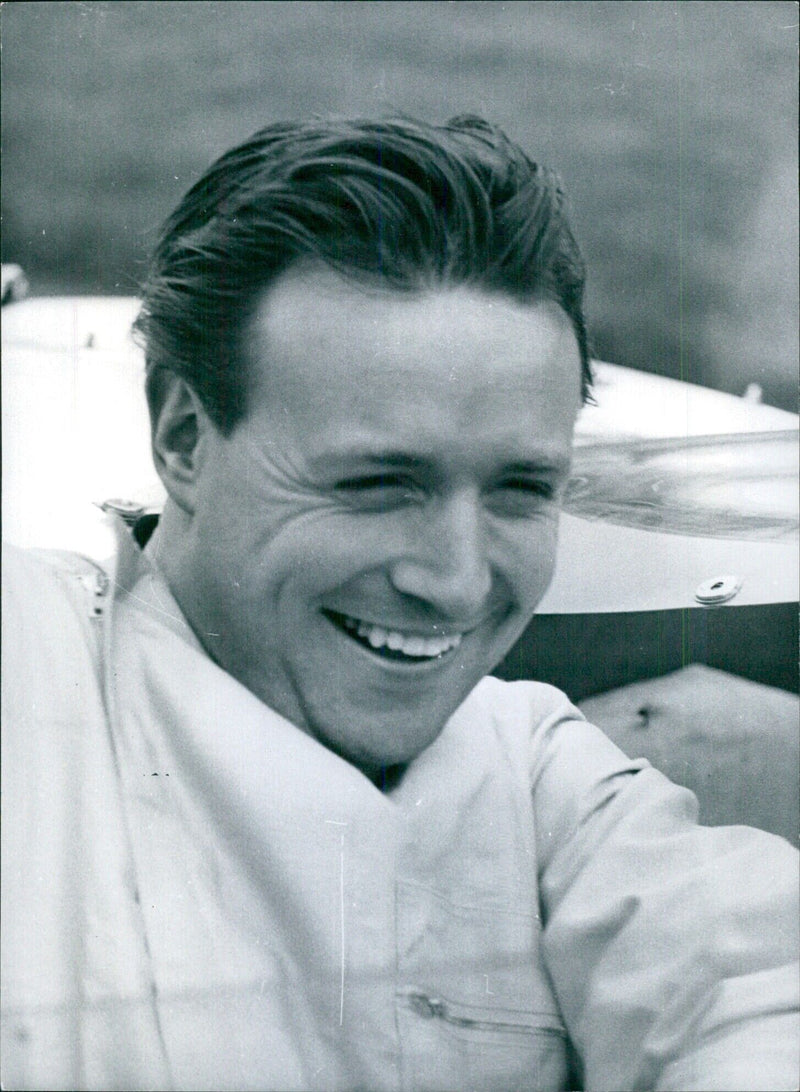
375, 534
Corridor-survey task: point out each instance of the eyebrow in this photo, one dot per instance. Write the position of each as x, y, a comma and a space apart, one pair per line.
541, 464
545, 465
351, 456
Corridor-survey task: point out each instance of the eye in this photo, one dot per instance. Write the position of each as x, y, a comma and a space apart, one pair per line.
378, 490
370, 481
529, 487
522, 496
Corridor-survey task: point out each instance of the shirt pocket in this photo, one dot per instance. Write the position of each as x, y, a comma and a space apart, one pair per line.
474, 1005
451, 1045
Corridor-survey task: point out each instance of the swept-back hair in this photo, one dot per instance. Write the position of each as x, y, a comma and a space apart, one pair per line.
396, 201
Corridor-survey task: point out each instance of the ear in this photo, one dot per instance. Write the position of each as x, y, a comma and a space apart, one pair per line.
179, 426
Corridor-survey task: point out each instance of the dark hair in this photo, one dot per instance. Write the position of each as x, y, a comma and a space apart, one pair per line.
402, 202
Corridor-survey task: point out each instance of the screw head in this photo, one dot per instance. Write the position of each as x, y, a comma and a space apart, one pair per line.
717, 589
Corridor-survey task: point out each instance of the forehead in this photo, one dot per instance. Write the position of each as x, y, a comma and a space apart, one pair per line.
326, 353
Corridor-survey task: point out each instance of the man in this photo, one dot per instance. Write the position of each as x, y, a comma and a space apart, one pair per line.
272, 825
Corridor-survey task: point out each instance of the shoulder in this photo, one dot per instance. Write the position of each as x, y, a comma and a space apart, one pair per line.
571, 768
515, 705
530, 717
535, 725
20, 565
53, 607
36, 582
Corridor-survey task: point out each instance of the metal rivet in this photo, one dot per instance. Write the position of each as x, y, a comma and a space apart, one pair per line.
718, 589
426, 1007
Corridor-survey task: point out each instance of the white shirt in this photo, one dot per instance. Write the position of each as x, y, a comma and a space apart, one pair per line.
223, 903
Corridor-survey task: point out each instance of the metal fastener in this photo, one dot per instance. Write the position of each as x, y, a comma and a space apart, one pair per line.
424, 1006
127, 510
718, 589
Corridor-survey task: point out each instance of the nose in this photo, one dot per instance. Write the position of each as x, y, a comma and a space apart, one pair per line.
446, 564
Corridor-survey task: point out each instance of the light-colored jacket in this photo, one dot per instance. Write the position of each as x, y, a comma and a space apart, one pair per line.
197, 895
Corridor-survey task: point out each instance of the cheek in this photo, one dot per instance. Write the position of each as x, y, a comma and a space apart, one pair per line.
529, 554
338, 543
286, 565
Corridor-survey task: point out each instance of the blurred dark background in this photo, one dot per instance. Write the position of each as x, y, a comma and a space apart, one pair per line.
672, 124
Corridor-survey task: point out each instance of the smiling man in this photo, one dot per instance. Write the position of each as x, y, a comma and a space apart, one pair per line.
279, 828
370, 540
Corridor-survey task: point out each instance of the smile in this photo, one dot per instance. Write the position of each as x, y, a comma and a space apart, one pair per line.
391, 643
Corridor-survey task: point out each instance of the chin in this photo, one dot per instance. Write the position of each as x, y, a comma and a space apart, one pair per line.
389, 745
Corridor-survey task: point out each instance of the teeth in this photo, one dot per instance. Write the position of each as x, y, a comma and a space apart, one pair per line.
376, 636
410, 645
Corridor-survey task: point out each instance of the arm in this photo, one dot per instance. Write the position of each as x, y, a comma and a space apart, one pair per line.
671, 946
